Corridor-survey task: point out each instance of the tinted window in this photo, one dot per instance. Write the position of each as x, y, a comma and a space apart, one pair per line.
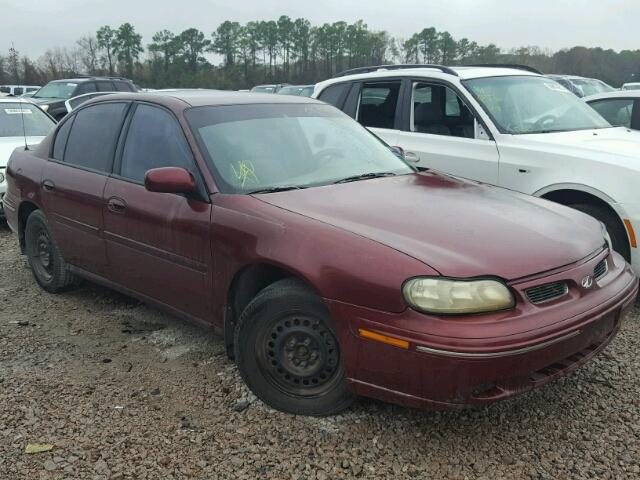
18, 91
86, 87
155, 139
617, 112
61, 139
105, 87
334, 95
378, 103
94, 134
123, 87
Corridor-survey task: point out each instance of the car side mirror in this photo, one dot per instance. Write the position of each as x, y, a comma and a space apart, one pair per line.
169, 180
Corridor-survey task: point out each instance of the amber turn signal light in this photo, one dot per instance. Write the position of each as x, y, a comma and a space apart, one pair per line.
378, 337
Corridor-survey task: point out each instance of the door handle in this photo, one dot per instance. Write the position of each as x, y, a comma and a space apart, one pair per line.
116, 205
48, 185
411, 157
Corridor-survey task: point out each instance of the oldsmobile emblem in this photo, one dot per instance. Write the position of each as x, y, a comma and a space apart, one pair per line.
587, 282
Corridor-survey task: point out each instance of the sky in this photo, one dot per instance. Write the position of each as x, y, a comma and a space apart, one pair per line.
33, 27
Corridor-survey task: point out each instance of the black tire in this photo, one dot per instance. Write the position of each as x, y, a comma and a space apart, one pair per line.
287, 352
614, 227
48, 267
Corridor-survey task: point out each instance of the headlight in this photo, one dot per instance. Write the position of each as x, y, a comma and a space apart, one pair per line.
44, 107
1, 177
607, 237
457, 297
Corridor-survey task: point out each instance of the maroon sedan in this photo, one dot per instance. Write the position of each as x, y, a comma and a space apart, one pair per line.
331, 266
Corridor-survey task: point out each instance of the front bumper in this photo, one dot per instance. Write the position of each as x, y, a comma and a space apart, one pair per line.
439, 371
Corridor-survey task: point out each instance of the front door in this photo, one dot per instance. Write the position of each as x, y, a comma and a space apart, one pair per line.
157, 243
74, 179
444, 135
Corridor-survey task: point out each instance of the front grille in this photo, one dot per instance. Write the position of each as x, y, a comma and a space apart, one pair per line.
547, 292
601, 269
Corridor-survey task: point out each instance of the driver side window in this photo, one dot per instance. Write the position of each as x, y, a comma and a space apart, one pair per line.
438, 110
154, 140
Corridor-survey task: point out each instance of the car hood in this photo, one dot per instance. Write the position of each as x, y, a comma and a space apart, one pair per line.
459, 228
618, 145
9, 144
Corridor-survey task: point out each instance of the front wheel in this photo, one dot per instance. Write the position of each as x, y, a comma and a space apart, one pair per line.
288, 354
46, 262
614, 228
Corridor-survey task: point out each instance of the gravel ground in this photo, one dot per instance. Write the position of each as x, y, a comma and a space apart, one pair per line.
125, 391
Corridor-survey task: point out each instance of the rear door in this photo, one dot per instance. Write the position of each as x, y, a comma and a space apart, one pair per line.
443, 133
157, 243
74, 179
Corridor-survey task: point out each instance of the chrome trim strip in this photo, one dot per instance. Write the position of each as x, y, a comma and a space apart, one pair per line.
506, 353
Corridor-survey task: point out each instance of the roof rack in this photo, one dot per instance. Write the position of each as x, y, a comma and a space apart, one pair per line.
374, 68
110, 77
515, 66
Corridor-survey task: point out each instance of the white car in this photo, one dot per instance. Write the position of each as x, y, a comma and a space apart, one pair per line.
17, 90
620, 108
631, 86
21, 122
510, 127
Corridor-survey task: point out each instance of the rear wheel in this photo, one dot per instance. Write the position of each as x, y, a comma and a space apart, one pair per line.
615, 229
288, 354
46, 262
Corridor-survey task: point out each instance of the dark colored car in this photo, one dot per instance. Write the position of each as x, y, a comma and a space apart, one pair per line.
331, 267
53, 95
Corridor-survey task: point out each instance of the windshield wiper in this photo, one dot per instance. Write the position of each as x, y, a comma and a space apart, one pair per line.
365, 176
282, 188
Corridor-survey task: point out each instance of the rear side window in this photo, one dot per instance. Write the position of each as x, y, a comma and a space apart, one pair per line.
123, 87
105, 87
378, 102
61, 139
154, 140
335, 94
86, 87
94, 135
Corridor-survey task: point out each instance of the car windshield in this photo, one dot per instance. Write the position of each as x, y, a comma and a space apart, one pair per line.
261, 147
532, 104
36, 123
290, 91
592, 87
56, 90
263, 89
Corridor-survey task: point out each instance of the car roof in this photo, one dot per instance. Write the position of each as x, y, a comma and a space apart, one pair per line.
181, 99
87, 79
462, 72
631, 83
616, 94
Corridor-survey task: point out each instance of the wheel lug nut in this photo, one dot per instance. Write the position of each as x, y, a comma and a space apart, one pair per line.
307, 341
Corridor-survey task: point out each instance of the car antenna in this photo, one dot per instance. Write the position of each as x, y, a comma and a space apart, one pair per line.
24, 130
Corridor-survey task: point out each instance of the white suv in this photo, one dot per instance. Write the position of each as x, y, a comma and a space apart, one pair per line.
508, 126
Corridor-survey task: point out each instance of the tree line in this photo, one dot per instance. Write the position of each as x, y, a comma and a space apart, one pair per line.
286, 50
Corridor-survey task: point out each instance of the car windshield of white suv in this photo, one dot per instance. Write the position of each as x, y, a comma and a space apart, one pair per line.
531, 104
267, 148
12, 114
56, 90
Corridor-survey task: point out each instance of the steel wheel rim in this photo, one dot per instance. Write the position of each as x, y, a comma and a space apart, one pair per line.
42, 255
299, 355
